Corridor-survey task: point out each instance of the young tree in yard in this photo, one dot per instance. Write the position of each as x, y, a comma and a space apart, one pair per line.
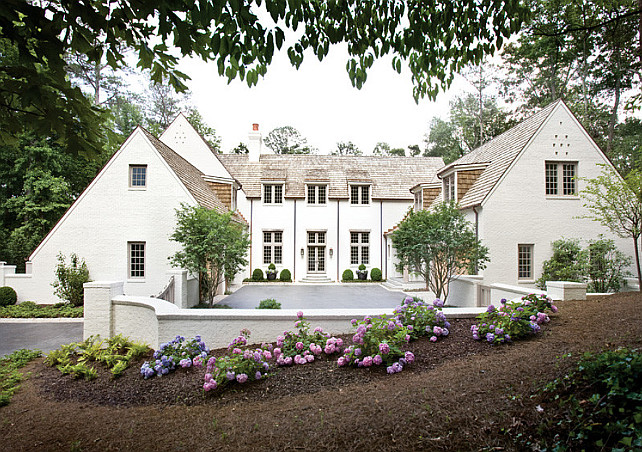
438, 245
214, 246
616, 203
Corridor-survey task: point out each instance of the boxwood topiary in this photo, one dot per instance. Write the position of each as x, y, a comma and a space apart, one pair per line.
347, 275
285, 275
257, 275
8, 296
375, 274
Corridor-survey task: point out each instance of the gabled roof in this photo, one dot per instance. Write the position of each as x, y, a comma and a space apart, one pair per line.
390, 177
498, 154
190, 177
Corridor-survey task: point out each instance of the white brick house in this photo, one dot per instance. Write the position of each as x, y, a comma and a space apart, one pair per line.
317, 215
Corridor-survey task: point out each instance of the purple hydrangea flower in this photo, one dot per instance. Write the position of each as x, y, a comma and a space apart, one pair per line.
241, 378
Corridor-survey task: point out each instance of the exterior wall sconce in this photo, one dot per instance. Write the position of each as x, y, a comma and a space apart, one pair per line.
302, 252
331, 252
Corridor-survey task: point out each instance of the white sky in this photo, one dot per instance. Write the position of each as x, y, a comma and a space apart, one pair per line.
319, 101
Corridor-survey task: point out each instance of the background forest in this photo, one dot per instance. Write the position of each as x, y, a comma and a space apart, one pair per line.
587, 53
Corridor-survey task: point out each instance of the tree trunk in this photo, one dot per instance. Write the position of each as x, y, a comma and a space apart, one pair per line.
637, 263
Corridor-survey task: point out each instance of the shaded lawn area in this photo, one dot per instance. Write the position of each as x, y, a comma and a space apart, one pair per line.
459, 395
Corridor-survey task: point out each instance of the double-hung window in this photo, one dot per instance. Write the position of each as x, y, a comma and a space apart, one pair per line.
272, 247
136, 260
359, 194
449, 188
419, 200
359, 248
273, 194
561, 178
317, 194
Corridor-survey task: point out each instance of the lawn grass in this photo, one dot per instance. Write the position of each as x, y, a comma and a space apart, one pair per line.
31, 310
9, 375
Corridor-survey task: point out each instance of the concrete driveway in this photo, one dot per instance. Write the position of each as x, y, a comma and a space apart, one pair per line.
38, 334
317, 296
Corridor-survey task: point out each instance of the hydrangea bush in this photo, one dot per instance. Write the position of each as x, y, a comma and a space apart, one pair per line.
513, 319
177, 352
240, 365
378, 340
301, 346
423, 319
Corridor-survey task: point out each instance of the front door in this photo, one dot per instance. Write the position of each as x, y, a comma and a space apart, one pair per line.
316, 252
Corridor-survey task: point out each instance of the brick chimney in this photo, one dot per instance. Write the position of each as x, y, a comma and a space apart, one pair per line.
255, 143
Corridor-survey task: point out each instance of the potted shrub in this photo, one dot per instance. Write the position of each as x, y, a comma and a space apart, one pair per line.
271, 272
362, 273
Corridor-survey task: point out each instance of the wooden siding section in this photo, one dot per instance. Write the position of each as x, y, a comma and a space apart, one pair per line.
223, 192
429, 196
465, 180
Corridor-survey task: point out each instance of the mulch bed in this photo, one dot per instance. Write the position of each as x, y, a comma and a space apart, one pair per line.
459, 395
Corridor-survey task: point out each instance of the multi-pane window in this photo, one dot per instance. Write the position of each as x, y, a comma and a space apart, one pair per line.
449, 188
138, 176
359, 194
359, 248
317, 194
273, 194
273, 247
419, 199
525, 262
561, 178
136, 253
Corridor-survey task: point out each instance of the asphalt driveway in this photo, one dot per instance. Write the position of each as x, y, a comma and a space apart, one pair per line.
317, 296
38, 334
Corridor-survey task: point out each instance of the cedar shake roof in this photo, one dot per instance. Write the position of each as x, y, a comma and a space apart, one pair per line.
498, 154
390, 177
190, 177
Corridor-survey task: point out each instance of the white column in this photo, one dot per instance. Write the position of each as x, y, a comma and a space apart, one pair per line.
98, 309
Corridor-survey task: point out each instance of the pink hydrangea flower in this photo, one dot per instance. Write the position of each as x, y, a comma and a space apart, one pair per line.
377, 360
241, 378
299, 345
267, 355
433, 339
299, 314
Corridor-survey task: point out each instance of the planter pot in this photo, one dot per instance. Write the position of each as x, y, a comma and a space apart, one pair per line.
271, 276
362, 276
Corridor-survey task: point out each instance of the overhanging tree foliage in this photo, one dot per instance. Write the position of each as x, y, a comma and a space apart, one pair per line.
616, 203
433, 38
287, 140
214, 246
438, 245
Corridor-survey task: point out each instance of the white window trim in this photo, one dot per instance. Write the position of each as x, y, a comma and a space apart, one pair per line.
316, 195
130, 177
454, 185
529, 279
360, 245
272, 245
419, 199
360, 185
272, 190
131, 278
560, 179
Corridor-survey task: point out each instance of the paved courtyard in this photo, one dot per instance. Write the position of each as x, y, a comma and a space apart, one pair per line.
38, 334
317, 296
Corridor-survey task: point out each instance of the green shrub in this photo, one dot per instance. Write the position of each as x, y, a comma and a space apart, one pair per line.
362, 267
605, 266
257, 275
269, 303
285, 275
69, 279
347, 275
30, 310
8, 296
565, 264
375, 274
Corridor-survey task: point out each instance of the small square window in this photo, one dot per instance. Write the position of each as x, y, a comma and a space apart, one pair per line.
138, 176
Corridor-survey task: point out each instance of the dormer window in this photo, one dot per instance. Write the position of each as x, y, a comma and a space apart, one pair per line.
449, 188
419, 200
138, 176
360, 194
273, 194
317, 194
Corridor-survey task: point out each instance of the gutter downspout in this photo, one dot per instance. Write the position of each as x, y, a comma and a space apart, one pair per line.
381, 233
338, 234
251, 240
476, 232
294, 250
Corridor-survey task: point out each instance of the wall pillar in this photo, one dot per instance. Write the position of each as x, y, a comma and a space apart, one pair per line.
180, 287
566, 290
98, 310
6, 270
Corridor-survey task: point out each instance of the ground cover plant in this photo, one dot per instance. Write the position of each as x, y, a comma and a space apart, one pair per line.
597, 405
30, 310
459, 394
513, 319
116, 353
177, 352
10, 378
